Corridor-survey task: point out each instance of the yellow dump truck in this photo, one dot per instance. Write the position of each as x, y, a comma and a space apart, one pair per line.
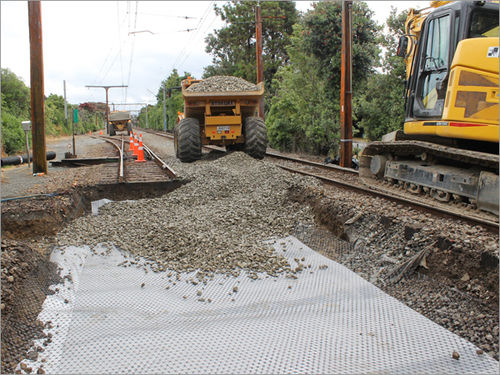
222, 118
119, 121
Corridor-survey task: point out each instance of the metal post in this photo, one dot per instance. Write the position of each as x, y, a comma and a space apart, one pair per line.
164, 111
346, 87
65, 106
107, 110
37, 88
258, 45
147, 124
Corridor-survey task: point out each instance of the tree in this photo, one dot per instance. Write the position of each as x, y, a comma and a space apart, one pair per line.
15, 109
305, 112
381, 109
300, 119
16, 95
174, 103
323, 38
233, 46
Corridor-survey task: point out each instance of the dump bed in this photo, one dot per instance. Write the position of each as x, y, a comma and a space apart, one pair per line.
195, 103
119, 116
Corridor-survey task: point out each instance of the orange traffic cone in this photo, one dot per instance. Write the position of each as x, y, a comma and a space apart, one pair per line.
90, 132
100, 133
140, 151
131, 147
136, 145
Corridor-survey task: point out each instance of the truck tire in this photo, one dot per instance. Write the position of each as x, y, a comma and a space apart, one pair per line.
189, 140
255, 137
112, 130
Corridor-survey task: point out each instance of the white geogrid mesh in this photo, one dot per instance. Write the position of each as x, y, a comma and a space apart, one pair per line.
329, 321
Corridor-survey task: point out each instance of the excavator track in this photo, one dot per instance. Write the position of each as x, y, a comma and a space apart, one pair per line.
462, 179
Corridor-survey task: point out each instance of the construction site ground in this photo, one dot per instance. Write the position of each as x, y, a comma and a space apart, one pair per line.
455, 285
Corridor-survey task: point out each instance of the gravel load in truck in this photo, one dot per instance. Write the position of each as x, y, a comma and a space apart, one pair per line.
222, 84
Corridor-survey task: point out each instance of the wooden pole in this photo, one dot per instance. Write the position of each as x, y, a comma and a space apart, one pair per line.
258, 45
37, 88
346, 87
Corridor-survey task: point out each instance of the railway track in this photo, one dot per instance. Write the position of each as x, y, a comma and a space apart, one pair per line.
349, 179
153, 169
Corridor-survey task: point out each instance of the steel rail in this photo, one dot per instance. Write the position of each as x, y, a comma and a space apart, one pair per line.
397, 198
162, 164
394, 197
313, 163
152, 155
121, 174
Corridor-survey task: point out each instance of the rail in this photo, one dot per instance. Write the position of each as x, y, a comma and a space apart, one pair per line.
442, 211
110, 140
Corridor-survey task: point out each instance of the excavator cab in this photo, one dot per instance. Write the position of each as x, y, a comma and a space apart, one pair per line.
448, 151
435, 59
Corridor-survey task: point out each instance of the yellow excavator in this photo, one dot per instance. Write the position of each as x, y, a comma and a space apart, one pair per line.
448, 150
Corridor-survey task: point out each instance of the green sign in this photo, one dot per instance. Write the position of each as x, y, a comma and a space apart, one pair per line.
75, 116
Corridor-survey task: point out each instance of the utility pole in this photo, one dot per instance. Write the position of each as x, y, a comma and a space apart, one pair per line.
164, 110
258, 47
37, 87
107, 109
65, 106
147, 124
346, 87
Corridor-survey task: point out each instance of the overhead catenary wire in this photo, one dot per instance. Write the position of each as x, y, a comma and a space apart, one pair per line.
119, 39
132, 51
187, 47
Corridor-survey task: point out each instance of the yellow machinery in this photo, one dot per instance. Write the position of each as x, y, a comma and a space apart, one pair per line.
119, 121
449, 147
222, 119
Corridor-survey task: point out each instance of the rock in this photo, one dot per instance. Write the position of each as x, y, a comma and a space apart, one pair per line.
455, 355
222, 84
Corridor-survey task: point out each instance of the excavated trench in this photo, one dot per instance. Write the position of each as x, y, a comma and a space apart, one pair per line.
436, 287
27, 228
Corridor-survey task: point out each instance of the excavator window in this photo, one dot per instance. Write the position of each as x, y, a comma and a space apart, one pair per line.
484, 24
435, 62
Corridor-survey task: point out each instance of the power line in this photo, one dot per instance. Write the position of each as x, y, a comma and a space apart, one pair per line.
132, 51
187, 46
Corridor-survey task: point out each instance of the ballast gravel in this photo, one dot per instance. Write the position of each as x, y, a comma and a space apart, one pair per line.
216, 223
222, 84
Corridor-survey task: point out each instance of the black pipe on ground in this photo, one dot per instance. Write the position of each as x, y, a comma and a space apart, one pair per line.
20, 159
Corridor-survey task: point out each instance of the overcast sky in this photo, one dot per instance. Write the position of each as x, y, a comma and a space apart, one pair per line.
89, 43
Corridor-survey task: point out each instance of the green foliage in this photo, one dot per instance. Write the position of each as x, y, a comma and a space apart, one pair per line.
305, 112
381, 109
300, 119
15, 94
173, 104
233, 46
15, 109
323, 38
12, 133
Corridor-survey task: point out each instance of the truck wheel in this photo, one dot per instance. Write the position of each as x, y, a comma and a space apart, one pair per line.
255, 137
189, 140
176, 140
112, 130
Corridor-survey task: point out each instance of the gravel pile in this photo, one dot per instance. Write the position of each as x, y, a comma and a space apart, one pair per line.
215, 224
222, 84
26, 276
